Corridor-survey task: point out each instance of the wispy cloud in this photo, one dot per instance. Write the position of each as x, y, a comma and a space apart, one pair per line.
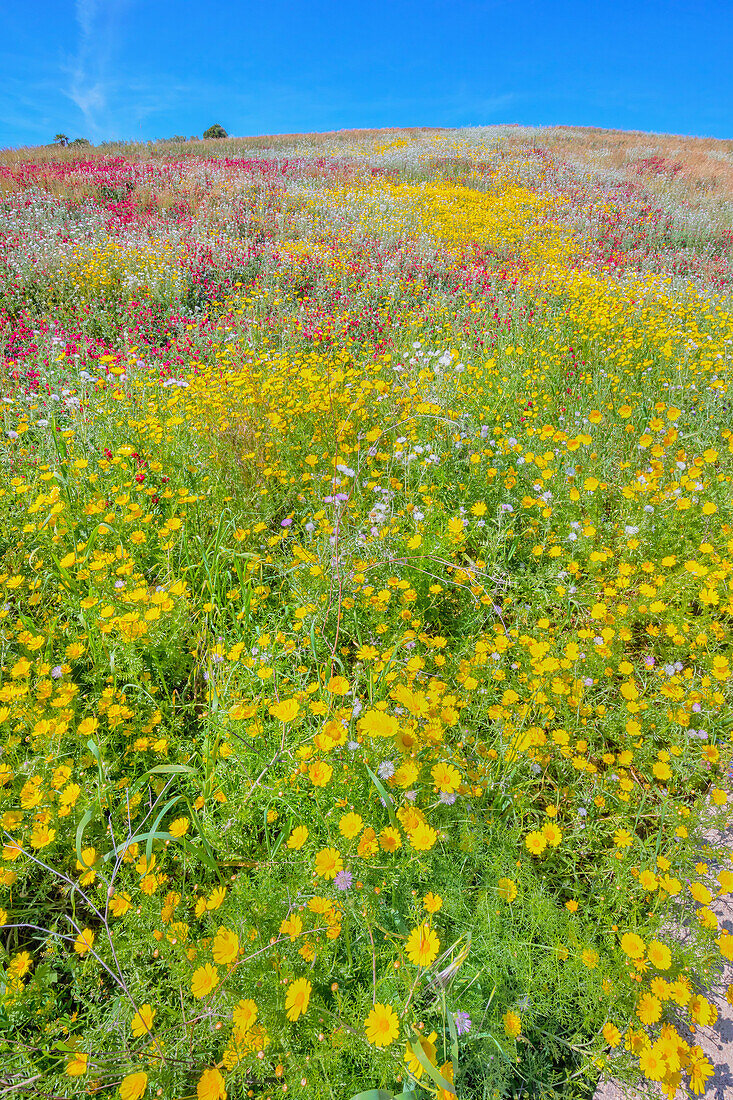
91, 82
90, 97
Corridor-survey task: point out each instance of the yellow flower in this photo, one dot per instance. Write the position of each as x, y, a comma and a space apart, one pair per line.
590, 958
320, 773
535, 843
611, 1034
328, 863
633, 945
507, 889
702, 1011
699, 1070
367, 846
652, 1064
20, 964
84, 942
179, 827
422, 945
297, 998
119, 904
432, 902
725, 943
390, 839
427, 1047
670, 885
423, 837
77, 1064
672, 1047
244, 1015
659, 955
133, 1086
204, 979
286, 710
338, 685
378, 724
211, 1085
446, 778
297, 838
649, 1009
292, 926
552, 834
512, 1025
42, 836
660, 987
142, 1021
701, 893
351, 825
382, 1025
216, 898
225, 946
725, 882
680, 992
446, 1071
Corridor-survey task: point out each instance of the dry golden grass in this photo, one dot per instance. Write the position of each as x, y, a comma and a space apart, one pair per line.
236, 146
705, 165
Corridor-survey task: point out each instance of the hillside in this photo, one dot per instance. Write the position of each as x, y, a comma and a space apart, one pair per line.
365, 554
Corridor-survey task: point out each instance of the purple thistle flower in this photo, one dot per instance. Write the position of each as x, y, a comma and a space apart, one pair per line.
343, 880
462, 1021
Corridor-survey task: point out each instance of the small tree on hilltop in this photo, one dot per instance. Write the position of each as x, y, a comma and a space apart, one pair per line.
216, 131
61, 139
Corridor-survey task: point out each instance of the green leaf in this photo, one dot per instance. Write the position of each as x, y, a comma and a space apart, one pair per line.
80, 833
453, 1043
138, 839
386, 798
94, 750
432, 1072
171, 769
214, 695
199, 853
210, 859
156, 823
66, 578
163, 769
373, 1094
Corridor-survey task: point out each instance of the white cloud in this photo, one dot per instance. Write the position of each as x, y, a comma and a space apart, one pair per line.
90, 73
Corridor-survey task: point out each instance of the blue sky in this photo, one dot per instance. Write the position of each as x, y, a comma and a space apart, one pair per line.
107, 69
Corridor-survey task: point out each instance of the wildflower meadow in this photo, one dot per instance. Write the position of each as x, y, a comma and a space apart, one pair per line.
366, 569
